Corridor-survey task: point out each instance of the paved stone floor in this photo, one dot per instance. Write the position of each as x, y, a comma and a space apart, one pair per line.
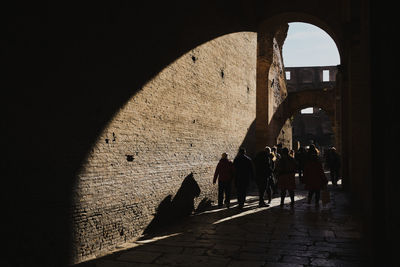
270, 236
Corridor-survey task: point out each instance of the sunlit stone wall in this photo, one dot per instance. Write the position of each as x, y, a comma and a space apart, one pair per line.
179, 123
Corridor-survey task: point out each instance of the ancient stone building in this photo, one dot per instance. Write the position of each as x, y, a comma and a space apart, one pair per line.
316, 126
111, 105
310, 78
180, 122
313, 128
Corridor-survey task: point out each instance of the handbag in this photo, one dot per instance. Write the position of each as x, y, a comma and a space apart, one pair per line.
325, 197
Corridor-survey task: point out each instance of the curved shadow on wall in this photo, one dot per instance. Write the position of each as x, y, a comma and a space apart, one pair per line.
81, 64
297, 101
249, 140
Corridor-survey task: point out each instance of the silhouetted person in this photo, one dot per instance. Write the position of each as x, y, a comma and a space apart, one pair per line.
271, 184
300, 156
263, 166
314, 176
275, 157
286, 170
279, 148
291, 153
275, 152
244, 173
224, 173
333, 162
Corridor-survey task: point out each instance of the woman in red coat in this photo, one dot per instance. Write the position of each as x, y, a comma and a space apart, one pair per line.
286, 170
314, 176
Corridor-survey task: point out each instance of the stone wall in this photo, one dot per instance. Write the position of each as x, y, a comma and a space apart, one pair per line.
179, 123
278, 90
67, 78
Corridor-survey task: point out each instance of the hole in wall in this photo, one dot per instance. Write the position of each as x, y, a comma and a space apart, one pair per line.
222, 74
287, 74
129, 157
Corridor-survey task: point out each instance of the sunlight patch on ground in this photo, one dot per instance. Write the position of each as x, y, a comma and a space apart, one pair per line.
157, 238
254, 208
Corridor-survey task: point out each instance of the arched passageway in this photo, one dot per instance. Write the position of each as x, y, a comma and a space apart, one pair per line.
313, 126
79, 73
270, 30
294, 102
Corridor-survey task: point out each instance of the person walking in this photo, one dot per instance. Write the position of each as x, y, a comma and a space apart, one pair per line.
333, 162
275, 152
271, 184
263, 166
286, 170
300, 157
224, 173
244, 170
273, 181
314, 176
291, 153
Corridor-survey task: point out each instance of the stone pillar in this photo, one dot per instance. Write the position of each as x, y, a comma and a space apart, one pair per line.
337, 123
271, 88
263, 105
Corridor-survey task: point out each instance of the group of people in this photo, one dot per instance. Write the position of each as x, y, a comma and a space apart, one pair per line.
274, 169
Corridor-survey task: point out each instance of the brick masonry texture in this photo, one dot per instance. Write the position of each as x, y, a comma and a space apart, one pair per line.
201, 105
179, 123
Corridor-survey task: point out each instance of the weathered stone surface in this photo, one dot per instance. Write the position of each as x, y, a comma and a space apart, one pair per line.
295, 260
176, 124
316, 249
191, 260
68, 78
139, 256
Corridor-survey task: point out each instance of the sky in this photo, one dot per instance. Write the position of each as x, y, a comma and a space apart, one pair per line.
308, 45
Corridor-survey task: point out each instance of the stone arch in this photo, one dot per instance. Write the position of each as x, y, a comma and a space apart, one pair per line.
192, 59
266, 130
103, 59
297, 101
318, 20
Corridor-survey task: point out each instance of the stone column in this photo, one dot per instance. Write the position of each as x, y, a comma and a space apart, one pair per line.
263, 105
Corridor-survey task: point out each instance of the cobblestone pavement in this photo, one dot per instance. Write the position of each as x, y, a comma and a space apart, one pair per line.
269, 236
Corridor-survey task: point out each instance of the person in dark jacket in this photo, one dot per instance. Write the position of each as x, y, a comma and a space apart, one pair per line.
224, 173
333, 162
314, 176
263, 164
244, 173
285, 170
300, 156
